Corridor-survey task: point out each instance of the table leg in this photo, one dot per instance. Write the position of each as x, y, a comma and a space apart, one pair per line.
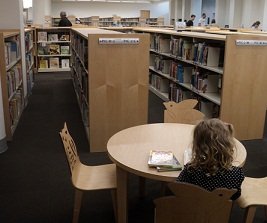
122, 195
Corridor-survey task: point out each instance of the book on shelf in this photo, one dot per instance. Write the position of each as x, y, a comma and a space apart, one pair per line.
42, 36
54, 62
52, 37
65, 63
163, 161
43, 63
65, 49
64, 38
42, 49
54, 49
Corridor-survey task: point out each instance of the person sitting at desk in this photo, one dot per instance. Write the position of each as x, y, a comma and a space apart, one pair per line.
212, 156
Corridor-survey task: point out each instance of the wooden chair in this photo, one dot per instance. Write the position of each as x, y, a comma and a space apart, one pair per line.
182, 112
253, 194
86, 178
193, 204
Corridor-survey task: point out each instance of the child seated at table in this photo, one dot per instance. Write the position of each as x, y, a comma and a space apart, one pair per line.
212, 155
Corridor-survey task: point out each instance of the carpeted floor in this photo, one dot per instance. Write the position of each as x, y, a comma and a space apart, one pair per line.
35, 184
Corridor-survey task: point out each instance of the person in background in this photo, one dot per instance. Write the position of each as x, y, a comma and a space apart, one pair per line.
202, 20
212, 155
190, 22
64, 20
256, 25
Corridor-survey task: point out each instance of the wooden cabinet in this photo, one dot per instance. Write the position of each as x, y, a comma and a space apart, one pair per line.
110, 78
227, 79
53, 49
11, 80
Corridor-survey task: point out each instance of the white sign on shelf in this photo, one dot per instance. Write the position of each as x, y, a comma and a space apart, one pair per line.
118, 41
251, 42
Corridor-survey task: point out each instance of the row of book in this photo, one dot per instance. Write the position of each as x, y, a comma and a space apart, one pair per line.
29, 59
30, 81
28, 41
204, 53
177, 93
12, 49
16, 105
80, 46
44, 37
53, 49
199, 79
14, 79
54, 62
82, 95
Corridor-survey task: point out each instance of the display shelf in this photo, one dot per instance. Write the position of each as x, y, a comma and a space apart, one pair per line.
53, 47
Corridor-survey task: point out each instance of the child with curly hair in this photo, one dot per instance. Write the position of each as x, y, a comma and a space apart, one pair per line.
212, 156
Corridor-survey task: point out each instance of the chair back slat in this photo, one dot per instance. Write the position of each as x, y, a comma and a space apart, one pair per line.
70, 148
193, 204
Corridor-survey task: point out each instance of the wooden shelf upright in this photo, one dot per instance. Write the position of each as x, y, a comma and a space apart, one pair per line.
111, 81
11, 79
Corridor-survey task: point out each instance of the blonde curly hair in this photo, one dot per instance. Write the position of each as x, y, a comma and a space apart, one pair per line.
213, 146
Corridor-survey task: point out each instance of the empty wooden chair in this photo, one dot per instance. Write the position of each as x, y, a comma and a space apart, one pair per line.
193, 204
253, 194
182, 112
86, 178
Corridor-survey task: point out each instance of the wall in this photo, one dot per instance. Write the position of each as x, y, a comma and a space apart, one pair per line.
196, 6
106, 9
208, 7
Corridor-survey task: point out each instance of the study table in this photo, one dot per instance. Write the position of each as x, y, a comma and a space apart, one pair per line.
129, 150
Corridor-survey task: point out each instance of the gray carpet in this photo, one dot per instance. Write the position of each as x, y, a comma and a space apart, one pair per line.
35, 184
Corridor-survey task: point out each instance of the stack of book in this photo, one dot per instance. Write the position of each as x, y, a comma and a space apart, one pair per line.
163, 161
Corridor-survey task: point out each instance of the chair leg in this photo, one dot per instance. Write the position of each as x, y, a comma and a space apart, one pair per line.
265, 207
142, 187
249, 214
77, 205
114, 201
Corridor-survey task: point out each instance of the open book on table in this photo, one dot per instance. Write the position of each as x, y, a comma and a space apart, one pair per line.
163, 161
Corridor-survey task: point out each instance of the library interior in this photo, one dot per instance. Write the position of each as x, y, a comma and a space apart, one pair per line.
106, 97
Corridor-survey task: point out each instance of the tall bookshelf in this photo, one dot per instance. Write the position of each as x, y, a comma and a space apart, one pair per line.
53, 49
109, 72
227, 79
11, 80
29, 58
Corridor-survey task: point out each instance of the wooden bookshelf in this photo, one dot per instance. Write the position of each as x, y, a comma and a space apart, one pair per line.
235, 84
110, 80
53, 47
11, 80
29, 59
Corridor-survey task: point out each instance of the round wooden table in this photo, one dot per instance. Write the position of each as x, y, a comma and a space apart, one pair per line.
129, 150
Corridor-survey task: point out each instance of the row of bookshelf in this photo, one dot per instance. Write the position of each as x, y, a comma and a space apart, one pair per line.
117, 20
214, 68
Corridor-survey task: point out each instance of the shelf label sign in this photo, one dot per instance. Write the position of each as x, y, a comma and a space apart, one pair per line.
251, 42
118, 41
